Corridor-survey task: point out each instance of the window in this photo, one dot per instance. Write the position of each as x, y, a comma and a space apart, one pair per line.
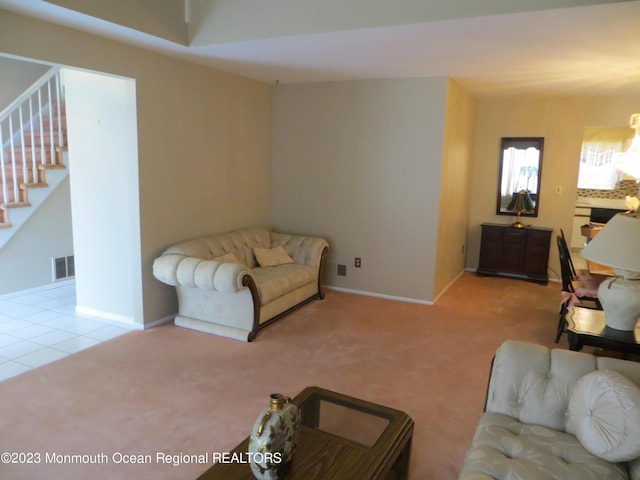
601, 148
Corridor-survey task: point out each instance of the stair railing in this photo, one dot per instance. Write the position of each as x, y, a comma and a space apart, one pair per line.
34, 112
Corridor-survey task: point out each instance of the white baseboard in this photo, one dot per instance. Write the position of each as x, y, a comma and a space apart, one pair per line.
160, 321
40, 289
448, 286
126, 321
378, 295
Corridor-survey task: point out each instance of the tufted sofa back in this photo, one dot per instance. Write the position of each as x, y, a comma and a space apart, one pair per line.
531, 383
240, 243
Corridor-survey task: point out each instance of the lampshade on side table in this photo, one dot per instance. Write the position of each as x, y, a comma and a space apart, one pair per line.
618, 246
520, 202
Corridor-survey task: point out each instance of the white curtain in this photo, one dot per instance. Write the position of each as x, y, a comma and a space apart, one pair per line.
520, 171
597, 164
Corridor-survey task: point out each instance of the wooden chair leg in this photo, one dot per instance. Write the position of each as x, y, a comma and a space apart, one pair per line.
562, 323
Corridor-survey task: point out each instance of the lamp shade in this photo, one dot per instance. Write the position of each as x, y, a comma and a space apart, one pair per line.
520, 202
617, 245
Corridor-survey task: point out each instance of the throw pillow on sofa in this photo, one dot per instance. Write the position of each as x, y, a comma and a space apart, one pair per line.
228, 258
604, 414
272, 257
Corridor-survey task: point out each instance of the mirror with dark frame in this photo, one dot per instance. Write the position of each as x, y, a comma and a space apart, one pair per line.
520, 172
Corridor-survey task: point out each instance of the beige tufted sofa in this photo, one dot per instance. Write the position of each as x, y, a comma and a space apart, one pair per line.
534, 426
236, 299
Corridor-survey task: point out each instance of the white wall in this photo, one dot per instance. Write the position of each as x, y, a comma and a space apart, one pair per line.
103, 158
360, 164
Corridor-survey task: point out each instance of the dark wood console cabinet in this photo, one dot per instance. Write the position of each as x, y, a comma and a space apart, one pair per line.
515, 252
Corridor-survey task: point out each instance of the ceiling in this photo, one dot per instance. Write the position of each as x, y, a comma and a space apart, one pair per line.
589, 50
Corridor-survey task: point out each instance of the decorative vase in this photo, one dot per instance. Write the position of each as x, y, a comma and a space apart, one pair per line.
620, 299
273, 439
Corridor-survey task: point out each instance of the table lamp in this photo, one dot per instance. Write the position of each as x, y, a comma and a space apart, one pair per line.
520, 202
617, 246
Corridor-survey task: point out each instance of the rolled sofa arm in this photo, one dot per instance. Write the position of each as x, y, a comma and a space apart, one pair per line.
180, 270
304, 250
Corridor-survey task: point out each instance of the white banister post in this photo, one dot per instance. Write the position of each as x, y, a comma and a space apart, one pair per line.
13, 161
52, 147
31, 122
58, 99
5, 192
40, 120
25, 167
34, 165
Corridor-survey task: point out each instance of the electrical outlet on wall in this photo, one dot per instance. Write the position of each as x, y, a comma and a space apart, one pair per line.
358, 262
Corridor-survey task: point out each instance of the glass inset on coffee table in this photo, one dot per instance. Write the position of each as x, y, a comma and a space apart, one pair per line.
586, 326
341, 437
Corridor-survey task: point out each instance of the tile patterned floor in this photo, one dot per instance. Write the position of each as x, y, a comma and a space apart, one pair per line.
38, 328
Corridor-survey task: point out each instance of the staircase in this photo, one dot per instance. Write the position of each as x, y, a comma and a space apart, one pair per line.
33, 141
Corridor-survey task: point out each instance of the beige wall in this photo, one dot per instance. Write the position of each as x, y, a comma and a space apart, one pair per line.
25, 261
360, 163
455, 187
16, 77
203, 140
560, 121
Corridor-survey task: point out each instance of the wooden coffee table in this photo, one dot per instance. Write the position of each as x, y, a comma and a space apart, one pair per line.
586, 326
340, 438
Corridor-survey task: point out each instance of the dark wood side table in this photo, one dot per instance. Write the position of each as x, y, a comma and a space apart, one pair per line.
586, 326
515, 252
340, 438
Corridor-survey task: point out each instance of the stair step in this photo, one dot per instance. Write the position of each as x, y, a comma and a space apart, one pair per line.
63, 107
48, 121
11, 201
27, 149
20, 167
4, 217
26, 154
20, 178
39, 139
18, 204
34, 178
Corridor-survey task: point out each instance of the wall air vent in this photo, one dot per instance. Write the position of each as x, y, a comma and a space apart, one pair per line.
63, 267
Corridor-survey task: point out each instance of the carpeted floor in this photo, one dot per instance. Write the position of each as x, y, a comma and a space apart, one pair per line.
174, 391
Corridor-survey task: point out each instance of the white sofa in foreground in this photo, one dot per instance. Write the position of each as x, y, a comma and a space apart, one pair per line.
235, 283
557, 414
